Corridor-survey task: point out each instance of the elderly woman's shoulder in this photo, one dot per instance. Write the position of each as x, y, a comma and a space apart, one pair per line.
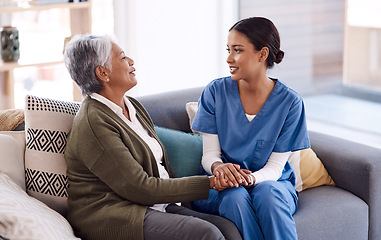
91, 109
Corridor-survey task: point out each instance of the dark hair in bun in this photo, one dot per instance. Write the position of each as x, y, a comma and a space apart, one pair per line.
279, 57
262, 33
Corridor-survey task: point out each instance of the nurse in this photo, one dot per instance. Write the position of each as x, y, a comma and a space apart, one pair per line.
251, 123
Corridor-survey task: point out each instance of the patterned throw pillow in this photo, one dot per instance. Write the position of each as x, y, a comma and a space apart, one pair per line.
47, 124
309, 170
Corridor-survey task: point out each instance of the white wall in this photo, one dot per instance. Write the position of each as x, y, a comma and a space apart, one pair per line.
175, 44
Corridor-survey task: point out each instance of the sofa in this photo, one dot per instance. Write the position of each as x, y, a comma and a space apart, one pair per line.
349, 210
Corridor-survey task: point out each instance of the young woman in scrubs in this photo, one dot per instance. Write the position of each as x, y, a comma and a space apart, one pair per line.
251, 124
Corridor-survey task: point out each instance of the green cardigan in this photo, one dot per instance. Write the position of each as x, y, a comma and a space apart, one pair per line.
113, 175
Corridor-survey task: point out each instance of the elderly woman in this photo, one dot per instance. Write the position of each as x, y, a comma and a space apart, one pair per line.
120, 182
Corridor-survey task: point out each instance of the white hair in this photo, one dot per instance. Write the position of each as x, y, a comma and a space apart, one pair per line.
83, 53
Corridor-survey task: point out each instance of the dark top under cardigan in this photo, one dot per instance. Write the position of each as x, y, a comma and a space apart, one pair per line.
113, 175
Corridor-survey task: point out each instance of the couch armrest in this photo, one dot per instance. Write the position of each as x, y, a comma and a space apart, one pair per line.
355, 168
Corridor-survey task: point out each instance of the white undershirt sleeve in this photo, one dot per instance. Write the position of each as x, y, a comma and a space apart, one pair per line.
211, 151
271, 171
273, 168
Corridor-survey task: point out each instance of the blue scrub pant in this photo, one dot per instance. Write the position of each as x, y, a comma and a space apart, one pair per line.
260, 212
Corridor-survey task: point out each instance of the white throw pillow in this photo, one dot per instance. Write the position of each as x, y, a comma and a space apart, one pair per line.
24, 217
191, 108
47, 124
12, 150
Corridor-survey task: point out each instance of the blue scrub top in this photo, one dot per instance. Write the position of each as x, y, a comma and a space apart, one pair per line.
280, 125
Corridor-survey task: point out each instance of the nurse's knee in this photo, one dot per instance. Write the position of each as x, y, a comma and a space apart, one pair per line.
267, 195
235, 198
236, 195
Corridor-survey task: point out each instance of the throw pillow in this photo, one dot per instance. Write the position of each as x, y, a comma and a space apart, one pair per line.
309, 170
184, 150
47, 124
191, 108
10, 119
24, 217
12, 149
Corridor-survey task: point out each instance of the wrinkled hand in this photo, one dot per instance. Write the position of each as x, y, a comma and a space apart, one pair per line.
231, 175
218, 183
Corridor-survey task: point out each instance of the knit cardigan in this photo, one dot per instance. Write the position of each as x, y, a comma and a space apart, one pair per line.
113, 175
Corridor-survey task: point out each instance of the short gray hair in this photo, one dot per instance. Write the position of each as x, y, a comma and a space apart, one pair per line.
83, 53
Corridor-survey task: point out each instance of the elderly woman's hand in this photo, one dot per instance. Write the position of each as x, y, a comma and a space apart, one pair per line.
218, 182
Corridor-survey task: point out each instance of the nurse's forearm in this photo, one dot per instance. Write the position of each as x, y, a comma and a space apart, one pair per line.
211, 152
211, 160
273, 168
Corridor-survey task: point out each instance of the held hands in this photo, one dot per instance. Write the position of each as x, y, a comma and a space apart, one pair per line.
229, 175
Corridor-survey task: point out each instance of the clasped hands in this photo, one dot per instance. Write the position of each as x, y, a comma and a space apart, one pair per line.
227, 175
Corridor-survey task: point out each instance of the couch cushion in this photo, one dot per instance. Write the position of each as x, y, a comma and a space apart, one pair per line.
47, 124
12, 151
328, 212
168, 109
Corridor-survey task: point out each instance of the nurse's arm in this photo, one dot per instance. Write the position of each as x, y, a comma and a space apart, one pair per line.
273, 168
212, 163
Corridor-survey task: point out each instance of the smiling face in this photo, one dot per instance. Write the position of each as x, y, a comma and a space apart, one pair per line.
244, 60
122, 76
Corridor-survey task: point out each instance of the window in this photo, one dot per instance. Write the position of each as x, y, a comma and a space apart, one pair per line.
42, 35
362, 57
312, 34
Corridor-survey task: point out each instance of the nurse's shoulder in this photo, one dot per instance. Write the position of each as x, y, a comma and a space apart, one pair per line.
219, 82
289, 93
218, 85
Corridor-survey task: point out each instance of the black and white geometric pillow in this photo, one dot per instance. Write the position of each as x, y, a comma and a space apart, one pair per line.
47, 124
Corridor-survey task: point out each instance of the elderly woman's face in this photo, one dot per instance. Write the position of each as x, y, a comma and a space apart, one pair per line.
122, 75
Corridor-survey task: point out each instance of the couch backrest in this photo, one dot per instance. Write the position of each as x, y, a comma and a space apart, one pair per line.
168, 109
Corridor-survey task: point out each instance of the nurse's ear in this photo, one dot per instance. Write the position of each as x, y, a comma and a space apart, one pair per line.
264, 53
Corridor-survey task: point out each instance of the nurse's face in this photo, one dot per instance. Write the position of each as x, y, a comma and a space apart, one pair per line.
243, 59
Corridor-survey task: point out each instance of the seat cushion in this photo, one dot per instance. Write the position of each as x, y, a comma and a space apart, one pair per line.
329, 212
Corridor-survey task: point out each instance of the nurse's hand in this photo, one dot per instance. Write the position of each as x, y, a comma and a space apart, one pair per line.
233, 176
248, 178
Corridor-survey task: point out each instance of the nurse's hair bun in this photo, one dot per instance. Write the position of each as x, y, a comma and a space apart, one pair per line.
279, 57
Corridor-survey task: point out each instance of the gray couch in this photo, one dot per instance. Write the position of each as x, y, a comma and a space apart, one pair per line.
351, 210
